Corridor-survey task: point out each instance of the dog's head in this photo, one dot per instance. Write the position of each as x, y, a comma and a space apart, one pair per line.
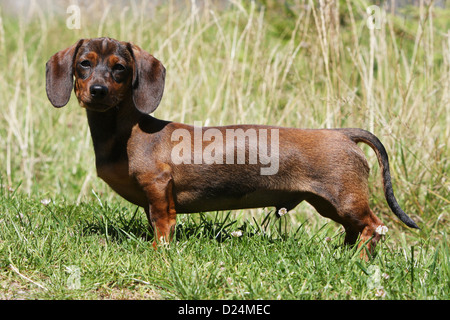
106, 72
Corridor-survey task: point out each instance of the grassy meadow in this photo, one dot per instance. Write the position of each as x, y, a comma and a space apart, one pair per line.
64, 234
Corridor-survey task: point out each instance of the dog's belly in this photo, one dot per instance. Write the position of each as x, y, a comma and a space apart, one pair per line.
187, 202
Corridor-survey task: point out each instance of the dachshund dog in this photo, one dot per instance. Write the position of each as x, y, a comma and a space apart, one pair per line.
169, 168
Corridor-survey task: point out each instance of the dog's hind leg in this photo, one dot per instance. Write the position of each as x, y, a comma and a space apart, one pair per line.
354, 214
360, 221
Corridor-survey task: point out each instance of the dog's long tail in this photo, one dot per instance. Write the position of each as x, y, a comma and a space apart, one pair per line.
359, 135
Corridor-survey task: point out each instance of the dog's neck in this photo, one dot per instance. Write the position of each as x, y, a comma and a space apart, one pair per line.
110, 131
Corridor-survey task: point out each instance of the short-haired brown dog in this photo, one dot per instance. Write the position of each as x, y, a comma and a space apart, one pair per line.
119, 84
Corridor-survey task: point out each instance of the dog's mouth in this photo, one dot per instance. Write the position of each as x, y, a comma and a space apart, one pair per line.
96, 106
99, 104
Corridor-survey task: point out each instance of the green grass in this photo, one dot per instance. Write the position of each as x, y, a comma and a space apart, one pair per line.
109, 247
292, 65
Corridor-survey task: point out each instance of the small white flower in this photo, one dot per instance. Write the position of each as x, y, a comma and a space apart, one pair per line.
380, 293
46, 202
282, 212
237, 233
381, 230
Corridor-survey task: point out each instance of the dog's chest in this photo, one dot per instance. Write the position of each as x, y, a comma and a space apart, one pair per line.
116, 175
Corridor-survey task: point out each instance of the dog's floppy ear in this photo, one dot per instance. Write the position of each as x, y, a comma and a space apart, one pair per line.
59, 75
148, 80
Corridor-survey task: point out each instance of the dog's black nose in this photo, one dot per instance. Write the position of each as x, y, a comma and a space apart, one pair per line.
98, 91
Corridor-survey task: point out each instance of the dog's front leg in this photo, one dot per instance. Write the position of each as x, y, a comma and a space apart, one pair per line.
161, 211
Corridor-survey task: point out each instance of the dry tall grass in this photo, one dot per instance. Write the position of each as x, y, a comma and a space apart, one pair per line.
315, 65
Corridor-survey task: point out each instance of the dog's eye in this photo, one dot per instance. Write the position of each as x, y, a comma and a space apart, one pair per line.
85, 63
118, 67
